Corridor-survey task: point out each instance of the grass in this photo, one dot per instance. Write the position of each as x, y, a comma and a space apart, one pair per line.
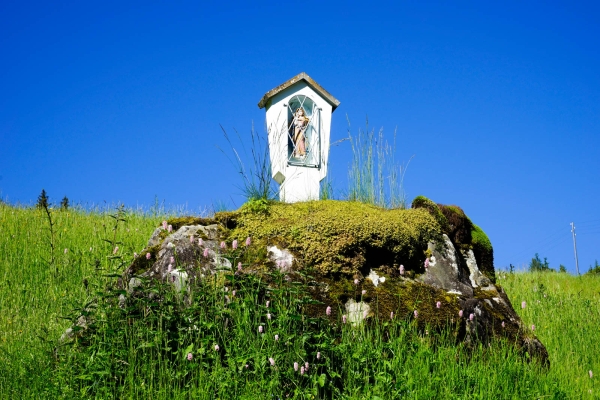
131, 355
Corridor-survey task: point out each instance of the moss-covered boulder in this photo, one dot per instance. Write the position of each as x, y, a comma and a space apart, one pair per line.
360, 263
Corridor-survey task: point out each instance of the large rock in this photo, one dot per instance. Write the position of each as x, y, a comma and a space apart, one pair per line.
364, 263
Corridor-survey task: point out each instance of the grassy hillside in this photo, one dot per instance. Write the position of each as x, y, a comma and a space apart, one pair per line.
384, 360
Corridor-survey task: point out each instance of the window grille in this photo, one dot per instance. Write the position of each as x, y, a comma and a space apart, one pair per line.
304, 132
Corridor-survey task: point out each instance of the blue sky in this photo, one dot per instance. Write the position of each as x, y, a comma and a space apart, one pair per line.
499, 104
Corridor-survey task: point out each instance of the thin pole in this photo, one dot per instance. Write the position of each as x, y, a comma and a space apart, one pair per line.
575, 247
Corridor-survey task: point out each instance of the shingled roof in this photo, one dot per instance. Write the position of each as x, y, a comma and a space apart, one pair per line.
310, 81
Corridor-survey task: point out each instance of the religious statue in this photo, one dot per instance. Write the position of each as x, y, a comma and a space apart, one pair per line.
300, 125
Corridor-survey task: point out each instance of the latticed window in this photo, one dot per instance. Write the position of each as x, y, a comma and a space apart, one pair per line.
304, 132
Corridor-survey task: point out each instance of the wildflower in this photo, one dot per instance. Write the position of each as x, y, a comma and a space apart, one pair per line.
148, 256
216, 347
533, 327
438, 304
356, 281
392, 315
276, 338
248, 241
269, 316
318, 355
401, 269
169, 268
191, 238
190, 356
306, 366
295, 366
116, 249
200, 242
301, 370
172, 260
164, 225
232, 293
591, 374
226, 289
66, 250
135, 255
268, 302
416, 313
365, 313
523, 304
503, 324
364, 292
239, 267
427, 263
272, 361
328, 311
471, 317
246, 366
260, 329
205, 254
223, 245
344, 319
460, 313
170, 228
234, 244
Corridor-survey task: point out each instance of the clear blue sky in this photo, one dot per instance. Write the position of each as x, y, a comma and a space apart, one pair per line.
500, 104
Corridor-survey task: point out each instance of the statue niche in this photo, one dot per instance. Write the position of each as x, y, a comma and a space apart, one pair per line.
303, 133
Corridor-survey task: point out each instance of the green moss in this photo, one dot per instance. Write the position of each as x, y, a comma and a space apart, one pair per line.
484, 252
459, 225
433, 209
141, 264
177, 223
335, 237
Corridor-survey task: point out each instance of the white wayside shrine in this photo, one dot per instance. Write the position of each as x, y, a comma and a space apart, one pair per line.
299, 123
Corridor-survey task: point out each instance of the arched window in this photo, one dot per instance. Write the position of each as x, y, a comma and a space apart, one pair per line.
304, 132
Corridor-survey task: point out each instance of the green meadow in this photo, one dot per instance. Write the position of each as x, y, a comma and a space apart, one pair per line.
230, 345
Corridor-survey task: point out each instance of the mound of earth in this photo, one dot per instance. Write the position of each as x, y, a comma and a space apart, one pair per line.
361, 263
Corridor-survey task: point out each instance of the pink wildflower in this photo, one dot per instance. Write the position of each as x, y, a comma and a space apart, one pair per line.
172, 260
200, 242
328, 311
232, 293
164, 225
306, 366
591, 374
426, 263
401, 269
115, 250
364, 292
223, 245
438, 304
170, 228
272, 361
523, 304
148, 255
344, 319
191, 238
216, 347
356, 281
318, 355
239, 267
276, 338
301, 370
460, 313
268, 302
503, 324
416, 313
392, 315
246, 366
169, 268
471, 317
234, 244
533, 327
269, 316
295, 366
190, 356
260, 329
248, 241
205, 254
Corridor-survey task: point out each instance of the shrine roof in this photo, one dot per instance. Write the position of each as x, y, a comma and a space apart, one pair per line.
302, 76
